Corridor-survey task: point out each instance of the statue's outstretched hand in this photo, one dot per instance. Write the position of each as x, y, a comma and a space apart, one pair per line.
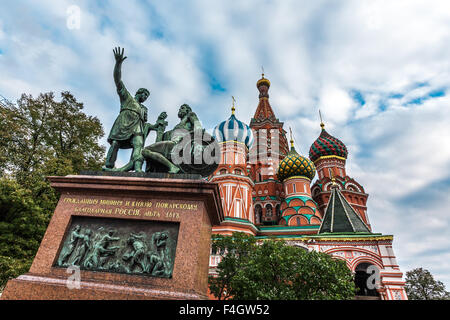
119, 55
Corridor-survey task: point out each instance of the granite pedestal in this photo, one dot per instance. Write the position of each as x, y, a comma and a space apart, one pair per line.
185, 209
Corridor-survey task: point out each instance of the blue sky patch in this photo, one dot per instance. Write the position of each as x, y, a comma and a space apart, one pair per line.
432, 94
419, 100
420, 84
105, 22
383, 106
215, 85
157, 33
396, 96
437, 93
357, 96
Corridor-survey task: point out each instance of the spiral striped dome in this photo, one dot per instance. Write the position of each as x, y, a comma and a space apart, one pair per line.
234, 130
295, 165
327, 145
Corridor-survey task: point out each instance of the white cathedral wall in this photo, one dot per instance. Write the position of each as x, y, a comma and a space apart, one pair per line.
378, 253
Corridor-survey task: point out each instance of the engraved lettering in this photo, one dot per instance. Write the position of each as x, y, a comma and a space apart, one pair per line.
152, 214
172, 215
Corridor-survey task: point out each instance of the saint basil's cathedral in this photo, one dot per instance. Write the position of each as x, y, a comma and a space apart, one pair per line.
266, 191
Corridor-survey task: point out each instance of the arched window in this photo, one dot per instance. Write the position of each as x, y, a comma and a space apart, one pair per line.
238, 171
223, 171
258, 213
364, 285
268, 210
316, 192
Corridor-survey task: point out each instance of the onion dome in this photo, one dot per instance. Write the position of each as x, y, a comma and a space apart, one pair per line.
263, 82
295, 165
233, 130
327, 145
263, 86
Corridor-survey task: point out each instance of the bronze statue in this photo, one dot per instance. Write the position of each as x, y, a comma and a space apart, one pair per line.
129, 128
188, 138
160, 152
160, 126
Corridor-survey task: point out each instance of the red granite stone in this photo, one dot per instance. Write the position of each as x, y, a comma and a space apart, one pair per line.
194, 204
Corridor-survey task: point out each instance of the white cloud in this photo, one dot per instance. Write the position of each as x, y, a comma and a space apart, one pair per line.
371, 106
336, 104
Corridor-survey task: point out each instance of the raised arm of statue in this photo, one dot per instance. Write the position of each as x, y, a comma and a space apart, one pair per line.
121, 90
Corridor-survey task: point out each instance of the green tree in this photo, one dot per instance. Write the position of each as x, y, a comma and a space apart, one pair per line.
22, 225
272, 270
421, 285
39, 130
43, 137
39, 137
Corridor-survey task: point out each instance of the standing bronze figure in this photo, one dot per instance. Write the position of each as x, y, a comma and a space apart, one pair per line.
130, 128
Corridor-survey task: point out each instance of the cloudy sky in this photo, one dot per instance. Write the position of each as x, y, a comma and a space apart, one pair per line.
378, 71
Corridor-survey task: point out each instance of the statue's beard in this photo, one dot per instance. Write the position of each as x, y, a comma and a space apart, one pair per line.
139, 98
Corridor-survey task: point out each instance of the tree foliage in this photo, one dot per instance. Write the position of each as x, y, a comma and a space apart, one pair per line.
38, 131
39, 137
42, 137
272, 270
421, 285
22, 226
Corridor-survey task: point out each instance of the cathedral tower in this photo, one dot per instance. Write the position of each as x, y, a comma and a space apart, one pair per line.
329, 155
269, 149
235, 185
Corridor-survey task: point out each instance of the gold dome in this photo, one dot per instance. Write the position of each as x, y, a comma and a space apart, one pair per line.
295, 165
263, 82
